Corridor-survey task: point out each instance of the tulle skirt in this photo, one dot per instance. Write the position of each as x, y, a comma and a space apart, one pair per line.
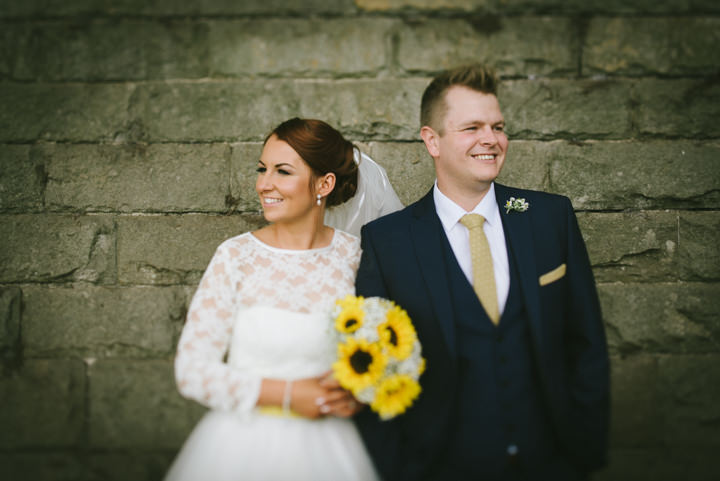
226, 446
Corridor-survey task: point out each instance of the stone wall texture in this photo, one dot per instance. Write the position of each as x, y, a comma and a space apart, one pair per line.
129, 131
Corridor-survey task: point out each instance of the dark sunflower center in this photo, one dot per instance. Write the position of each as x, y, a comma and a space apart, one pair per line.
350, 323
393, 336
360, 361
395, 391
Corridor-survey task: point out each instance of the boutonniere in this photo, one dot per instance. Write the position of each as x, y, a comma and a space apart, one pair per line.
518, 205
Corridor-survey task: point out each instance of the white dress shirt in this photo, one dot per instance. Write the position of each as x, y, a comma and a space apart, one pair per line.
450, 214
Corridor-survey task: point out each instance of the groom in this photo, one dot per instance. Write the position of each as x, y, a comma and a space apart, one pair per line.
505, 306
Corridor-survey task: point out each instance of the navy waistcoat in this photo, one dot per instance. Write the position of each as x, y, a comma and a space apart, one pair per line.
500, 416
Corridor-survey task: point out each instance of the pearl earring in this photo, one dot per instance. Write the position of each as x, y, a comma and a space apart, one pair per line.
319, 199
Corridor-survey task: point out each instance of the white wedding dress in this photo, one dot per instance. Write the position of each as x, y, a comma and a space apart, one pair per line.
265, 310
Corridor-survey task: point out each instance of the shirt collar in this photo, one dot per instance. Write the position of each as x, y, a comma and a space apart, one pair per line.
450, 213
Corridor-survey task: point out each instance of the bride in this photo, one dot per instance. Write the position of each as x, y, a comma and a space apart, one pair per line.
256, 348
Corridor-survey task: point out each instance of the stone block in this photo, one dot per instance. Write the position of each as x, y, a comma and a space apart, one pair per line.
58, 248
685, 108
10, 305
650, 46
141, 465
527, 164
43, 405
213, 8
62, 112
247, 110
393, 5
379, 109
515, 46
137, 177
126, 465
135, 404
674, 7
97, 322
660, 464
243, 167
53, 465
298, 46
689, 388
171, 8
409, 167
211, 111
22, 179
7, 48
699, 245
173, 249
636, 420
570, 109
637, 175
38, 7
233, 7
630, 465
632, 246
111, 49
524, 7
668, 317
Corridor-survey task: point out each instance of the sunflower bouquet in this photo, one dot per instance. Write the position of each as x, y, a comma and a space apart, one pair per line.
379, 358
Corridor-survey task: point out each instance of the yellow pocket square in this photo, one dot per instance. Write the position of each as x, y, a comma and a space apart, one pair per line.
553, 275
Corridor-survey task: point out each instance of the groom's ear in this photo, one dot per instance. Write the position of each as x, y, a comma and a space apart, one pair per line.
430, 137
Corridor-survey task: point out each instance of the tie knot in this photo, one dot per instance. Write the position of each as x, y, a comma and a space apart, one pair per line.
472, 221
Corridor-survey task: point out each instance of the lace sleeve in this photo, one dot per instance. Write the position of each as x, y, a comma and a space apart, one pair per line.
355, 254
200, 372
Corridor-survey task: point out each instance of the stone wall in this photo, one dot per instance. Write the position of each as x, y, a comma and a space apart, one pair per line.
129, 132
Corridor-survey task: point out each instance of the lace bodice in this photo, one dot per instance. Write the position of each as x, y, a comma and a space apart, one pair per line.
270, 307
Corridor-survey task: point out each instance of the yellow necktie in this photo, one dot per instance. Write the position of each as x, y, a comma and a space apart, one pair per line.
483, 272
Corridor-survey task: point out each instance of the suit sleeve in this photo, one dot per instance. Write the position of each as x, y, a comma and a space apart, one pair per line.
382, 438
587, 356
369, 281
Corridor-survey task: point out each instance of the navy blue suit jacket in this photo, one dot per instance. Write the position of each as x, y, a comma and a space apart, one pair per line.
402, 260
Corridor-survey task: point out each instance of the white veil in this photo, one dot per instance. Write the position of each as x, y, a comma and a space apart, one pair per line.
373, 198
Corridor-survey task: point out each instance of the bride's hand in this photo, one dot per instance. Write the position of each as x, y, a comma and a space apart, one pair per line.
309, 397
318, 396
340, 402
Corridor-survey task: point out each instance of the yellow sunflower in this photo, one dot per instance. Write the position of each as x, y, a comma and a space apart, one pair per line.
397, 333
351, 314
359, 364
421, 367
394, 395
350, 301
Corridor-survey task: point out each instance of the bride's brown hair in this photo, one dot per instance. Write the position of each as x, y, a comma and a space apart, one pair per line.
325, 150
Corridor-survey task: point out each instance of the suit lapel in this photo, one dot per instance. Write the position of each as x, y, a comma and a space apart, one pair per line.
519, 236
426, 236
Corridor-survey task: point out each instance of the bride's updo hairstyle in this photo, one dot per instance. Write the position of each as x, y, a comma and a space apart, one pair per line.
325, 150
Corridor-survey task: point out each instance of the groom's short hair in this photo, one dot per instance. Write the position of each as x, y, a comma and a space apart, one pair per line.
479, 77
